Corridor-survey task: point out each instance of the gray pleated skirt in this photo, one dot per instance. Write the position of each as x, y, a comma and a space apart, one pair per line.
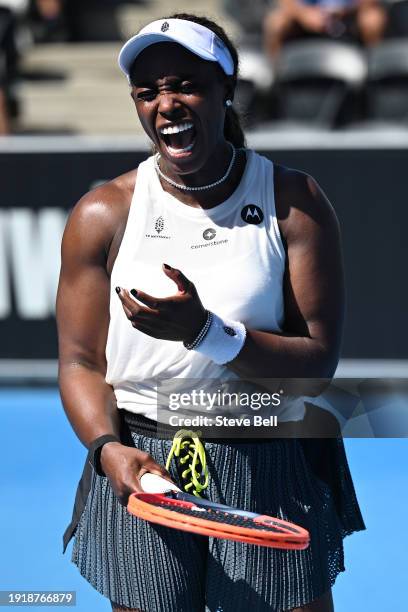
156, 569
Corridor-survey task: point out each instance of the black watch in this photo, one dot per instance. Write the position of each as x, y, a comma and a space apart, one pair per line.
95, 449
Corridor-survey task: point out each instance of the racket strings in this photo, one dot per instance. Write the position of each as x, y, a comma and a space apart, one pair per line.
226, 518
189, 451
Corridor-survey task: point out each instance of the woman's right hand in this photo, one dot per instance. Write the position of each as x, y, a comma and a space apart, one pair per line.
124, 466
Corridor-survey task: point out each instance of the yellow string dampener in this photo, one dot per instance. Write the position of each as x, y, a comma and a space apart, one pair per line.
190, 452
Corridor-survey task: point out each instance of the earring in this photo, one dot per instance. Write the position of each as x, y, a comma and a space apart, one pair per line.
228, 103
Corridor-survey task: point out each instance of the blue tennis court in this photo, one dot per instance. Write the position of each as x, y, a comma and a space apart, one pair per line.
41, 462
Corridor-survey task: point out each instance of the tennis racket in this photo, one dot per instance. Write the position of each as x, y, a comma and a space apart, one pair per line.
173, 508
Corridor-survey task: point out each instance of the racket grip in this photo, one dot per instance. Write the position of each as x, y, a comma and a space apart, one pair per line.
152, 483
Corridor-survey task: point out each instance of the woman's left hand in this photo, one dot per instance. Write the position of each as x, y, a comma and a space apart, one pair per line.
179, 317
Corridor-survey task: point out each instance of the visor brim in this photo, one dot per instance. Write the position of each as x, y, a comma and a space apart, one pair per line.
138, 43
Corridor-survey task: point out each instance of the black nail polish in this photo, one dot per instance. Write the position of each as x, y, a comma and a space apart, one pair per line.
167, 267
117, 289
133, 292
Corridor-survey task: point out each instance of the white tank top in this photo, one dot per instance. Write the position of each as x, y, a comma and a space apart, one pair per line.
234, 255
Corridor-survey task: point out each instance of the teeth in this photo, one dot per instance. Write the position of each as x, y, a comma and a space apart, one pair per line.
176, 129
175, 151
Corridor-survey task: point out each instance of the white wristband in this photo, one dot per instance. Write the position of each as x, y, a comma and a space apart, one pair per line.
223, 341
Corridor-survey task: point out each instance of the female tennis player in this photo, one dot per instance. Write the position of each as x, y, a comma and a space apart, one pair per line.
206, 262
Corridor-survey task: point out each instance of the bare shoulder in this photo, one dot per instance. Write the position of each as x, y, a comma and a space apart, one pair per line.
106, 203
301, 204
97, 217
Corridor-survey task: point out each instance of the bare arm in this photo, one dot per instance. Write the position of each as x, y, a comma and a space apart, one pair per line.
313, 289
83, 320
82, 327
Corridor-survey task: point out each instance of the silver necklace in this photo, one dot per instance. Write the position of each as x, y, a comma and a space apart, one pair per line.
184, 187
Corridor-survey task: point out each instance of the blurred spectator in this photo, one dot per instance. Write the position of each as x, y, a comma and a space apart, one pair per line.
49, 9
12, 17
75, 20
248, 15
93, 20
9, 12
47, 20
4, 115
362, 21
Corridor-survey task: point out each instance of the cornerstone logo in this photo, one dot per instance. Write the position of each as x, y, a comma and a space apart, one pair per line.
209, 234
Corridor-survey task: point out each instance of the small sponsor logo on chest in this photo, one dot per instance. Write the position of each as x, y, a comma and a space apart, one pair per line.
252, 214
160, 229
210, 239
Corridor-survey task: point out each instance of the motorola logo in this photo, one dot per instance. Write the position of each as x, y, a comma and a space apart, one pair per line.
209, 234
252, 214
228, 330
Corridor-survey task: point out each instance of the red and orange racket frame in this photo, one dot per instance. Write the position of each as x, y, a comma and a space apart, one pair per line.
180, 510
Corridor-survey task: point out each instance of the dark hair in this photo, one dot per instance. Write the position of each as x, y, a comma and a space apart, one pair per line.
233, 131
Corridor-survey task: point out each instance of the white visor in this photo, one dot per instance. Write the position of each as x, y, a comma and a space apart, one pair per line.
196, 38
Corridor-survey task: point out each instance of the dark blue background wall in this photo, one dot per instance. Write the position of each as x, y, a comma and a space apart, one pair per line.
366, 187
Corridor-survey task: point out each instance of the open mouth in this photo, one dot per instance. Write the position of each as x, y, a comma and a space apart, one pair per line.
179, 139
